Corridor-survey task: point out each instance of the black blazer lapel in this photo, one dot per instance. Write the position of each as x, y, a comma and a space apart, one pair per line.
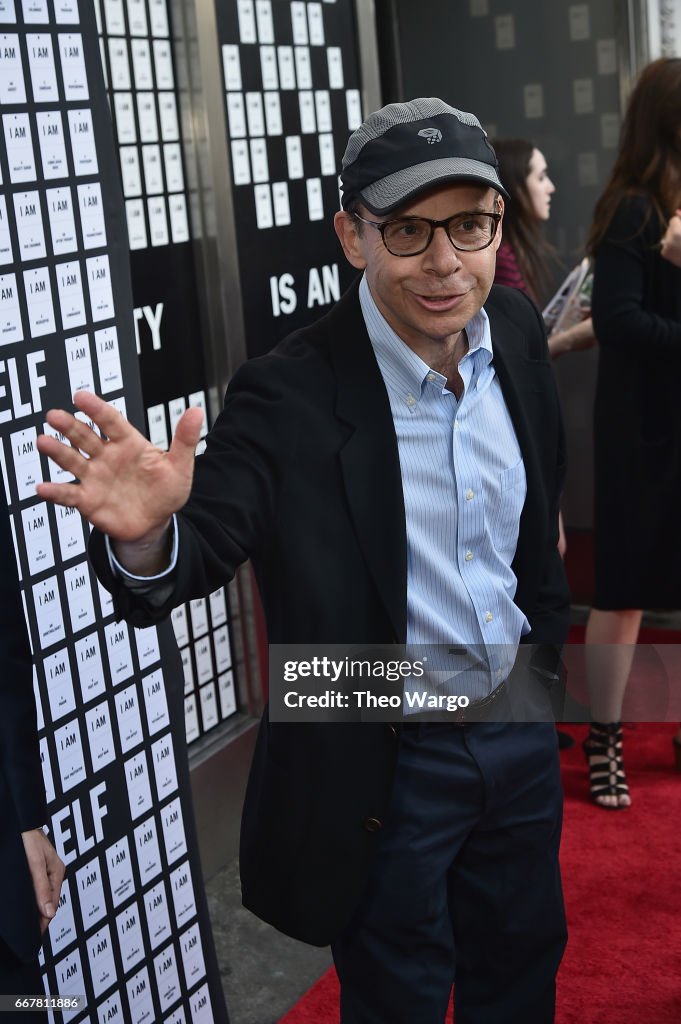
520, 377
369, 458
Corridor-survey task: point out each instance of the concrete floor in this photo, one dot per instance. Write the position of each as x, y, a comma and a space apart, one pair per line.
263, 972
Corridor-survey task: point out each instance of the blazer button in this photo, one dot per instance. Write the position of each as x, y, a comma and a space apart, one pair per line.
373, 825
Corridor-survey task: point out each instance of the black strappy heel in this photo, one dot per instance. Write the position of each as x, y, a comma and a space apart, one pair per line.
603, 750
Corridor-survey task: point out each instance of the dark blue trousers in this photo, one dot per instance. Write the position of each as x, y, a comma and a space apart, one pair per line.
20, 979
468, 863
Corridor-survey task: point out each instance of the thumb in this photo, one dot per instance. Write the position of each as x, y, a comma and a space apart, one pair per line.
187, 434
43, 891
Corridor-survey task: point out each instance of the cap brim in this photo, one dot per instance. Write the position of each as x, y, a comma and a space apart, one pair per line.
396, 189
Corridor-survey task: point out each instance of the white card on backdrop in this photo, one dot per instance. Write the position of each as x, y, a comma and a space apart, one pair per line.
158, 221
148, 851
73, 70
29, 221
108, 360
90, 671
68, 743
6, 254
179, 221
287, 74
99, 283
231, 66
100, 735
39, 302
12, 86
131, 940
38, 540
334, 60
83, 142
52, 144
71, 298
125, 118
19, 145
91, 205
79, 363
59, 684
308, 123
163, 64
62, 221
303, 67
120, 68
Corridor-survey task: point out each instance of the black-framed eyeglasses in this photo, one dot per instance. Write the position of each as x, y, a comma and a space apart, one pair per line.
410, 236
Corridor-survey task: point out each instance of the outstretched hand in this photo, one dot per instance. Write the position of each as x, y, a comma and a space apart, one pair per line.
128, 488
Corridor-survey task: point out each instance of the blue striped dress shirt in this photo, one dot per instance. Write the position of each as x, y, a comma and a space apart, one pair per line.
464, 488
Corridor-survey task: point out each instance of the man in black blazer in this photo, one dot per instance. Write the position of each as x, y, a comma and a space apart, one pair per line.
28, 861
393, 471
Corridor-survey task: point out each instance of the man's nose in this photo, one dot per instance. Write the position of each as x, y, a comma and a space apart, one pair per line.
441, 255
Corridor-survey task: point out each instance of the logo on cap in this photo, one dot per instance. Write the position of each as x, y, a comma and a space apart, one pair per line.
431, 135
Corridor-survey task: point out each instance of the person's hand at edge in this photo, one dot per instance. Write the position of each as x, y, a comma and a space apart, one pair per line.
575, 339
47, 873
670, 247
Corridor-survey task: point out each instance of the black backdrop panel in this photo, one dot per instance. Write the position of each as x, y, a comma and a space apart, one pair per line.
292, 93
132, 933
145, 93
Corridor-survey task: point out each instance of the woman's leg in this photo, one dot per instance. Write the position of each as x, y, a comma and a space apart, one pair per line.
610, 646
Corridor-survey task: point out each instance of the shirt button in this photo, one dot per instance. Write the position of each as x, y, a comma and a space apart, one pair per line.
469, 495
468, 556
488, 616
456, 424
411, 400
431, 377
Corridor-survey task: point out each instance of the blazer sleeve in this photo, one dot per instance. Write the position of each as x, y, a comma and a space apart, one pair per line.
19, 751
629, 274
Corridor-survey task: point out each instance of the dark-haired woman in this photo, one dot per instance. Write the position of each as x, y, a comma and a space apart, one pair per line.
525, 259
637, 423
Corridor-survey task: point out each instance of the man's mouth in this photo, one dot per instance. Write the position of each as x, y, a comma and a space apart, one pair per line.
439, 303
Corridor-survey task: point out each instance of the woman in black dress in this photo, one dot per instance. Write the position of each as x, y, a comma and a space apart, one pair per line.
637, 416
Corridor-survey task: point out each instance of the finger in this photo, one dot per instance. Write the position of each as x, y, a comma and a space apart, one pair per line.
56, 870
42, 888
187, 435
68, 495
107, 418
81, 435
64, 455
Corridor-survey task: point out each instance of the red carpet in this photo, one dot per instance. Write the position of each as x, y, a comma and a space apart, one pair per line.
622, 892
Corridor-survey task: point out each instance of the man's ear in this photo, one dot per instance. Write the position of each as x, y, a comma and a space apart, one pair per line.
346, 228
499, 207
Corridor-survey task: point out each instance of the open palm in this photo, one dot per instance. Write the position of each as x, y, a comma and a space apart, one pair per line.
128, 488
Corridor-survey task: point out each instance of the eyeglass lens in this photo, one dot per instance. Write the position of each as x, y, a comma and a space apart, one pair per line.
409, 235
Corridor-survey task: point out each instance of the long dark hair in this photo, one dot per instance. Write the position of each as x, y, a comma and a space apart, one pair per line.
649, 158
522, 228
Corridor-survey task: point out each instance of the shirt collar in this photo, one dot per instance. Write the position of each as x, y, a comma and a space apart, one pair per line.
400, 366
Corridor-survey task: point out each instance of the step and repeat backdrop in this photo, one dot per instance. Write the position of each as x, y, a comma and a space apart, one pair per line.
99, 218
132, 934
